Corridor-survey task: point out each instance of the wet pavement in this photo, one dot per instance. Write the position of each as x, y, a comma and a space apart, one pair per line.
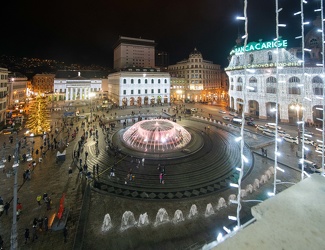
88, 206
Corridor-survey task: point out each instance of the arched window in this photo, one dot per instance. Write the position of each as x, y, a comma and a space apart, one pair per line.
152, 81
293, 88
271, 85
252, 84
145, 80
139, 80
132, 81
240, 79
165, 80
158, 80
124, 81
317, 84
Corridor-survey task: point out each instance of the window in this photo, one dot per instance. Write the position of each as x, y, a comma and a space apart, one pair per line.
146, 91
132, 91
293, 88
240, 79
251, 58
239, 87
158, 91
139, 91
271, 85
158, 80
132, 81
165, 90
237, 60
124, 81
165, 80
139, 81
124, 92
152, 91
269, 55
146, 81
317, 84
152, 81
231, 87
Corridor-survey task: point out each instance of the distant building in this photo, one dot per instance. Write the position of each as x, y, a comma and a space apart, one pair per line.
129, 52
17, 86
43, 83
139, 86
78, 85
3, 94
178, 89
162, 60
203, 78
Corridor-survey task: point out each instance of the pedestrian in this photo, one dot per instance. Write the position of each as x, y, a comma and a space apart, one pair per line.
97, 169
70, 171
80, 161
80, 173
86, 155
35, 237
46, 223
160, 177
9, 158
143, 162
265, 152
65, 234
6, 207
26, 235
38, 199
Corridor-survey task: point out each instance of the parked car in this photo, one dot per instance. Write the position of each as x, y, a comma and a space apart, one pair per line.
236, 121
250, 123
306, 141
283, 133
222, 111
248, 118
268, 132
272, 126
307, 132
290, 139
260, 127
194, 110
233, 114
226, 118
309, 167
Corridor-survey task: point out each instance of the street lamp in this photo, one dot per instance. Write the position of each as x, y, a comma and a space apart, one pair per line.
296, 106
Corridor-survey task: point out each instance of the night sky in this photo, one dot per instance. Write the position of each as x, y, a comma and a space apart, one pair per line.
85, 31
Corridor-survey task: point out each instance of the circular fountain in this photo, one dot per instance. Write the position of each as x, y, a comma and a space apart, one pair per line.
157, 135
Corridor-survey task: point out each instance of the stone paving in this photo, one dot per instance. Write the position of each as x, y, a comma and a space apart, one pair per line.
85, 231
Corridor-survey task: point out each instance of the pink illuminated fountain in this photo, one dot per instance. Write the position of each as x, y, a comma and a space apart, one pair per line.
156, 136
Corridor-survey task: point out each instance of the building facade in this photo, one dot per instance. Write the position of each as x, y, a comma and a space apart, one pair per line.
17, 86
137, 52
139, 86
43, 83
3, 94
203, 78
267, 73
78, 85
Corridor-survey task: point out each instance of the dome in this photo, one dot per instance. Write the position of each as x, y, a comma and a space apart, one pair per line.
195, 53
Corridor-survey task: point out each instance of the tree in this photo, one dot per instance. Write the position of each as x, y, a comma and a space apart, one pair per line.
39, 116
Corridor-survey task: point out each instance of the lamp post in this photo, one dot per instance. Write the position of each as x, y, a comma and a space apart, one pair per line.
14, 235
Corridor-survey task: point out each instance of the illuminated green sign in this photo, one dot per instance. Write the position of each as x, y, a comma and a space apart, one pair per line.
254, 46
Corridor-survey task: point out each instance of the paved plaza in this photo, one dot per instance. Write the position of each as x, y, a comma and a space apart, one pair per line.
88, 206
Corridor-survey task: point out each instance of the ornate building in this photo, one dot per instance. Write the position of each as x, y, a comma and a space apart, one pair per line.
43, 83
139, 86
203, 78
78, 85
299, 89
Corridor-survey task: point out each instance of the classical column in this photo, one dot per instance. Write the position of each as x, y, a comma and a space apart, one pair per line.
71, 94
66, 94
262, 110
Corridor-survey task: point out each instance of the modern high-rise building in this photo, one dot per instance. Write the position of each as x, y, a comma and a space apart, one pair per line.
162, 60
137, 52
3, 94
